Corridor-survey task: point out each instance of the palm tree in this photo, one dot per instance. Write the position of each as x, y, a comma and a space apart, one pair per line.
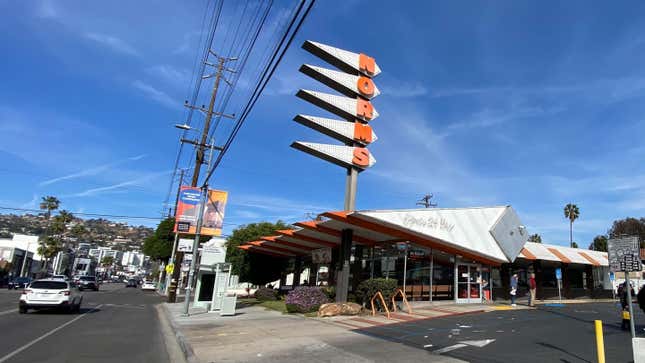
572, 213
49, 203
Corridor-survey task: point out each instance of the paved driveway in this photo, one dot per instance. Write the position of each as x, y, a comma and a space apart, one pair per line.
545, 334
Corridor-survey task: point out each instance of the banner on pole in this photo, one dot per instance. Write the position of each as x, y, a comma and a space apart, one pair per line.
188, 207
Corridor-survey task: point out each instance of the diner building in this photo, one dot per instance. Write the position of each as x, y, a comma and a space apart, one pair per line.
462, 255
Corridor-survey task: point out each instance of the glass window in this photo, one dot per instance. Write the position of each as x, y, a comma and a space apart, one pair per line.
443, 276
49, 285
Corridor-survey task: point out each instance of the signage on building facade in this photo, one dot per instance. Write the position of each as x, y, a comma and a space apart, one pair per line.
354, 106
321, 255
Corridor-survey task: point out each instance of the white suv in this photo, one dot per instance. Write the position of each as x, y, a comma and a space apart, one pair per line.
50, 293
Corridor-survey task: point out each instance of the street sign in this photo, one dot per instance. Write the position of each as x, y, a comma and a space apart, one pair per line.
618, 248
185, 245
612, 276
170, 268
558, 273
630, 263
183, 226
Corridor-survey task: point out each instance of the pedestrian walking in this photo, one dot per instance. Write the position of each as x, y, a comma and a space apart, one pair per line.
622, 293
513, 288
532, 289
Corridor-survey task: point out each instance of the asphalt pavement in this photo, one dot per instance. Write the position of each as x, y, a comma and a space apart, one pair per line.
546, 334
115, 324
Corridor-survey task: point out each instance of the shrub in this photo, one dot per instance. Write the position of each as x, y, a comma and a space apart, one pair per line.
266, 294
330, 291
368, 288
305, 299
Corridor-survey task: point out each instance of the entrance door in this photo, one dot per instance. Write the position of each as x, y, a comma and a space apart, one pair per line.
469, 283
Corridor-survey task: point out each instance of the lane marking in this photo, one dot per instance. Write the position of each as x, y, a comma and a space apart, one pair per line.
4, 359
446, 349
8, 311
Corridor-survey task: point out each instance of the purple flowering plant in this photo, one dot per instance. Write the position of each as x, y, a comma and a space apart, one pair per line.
305, 299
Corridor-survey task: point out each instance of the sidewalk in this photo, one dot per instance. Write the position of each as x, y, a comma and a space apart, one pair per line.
259, 335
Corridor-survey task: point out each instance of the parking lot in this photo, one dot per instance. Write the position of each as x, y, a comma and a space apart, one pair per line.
546, 334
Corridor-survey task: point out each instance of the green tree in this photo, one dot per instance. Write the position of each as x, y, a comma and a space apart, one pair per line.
535, 238
78, 231
107, 261
49, 204
599, 243
574, 245
255, 268
571, 212
629, 227
159, 245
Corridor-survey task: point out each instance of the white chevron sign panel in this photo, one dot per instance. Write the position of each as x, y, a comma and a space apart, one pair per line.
344, 60
345, 107
344, 131
347, 84
346, 156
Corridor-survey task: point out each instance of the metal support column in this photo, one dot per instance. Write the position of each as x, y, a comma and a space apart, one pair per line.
297, 271
191, 272
342, 280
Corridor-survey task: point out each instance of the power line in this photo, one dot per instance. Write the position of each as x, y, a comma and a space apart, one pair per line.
266, 76
85, 214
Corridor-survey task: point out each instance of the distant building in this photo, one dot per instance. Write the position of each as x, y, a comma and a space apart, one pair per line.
100, 253
84, 266
13, 251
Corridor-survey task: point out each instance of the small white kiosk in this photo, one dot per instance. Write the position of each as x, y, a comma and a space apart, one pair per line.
213, 278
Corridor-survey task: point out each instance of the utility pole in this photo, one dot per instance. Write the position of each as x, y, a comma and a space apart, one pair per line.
425, 201
201, 146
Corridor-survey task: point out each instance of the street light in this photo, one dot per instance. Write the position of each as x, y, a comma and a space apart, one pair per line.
183, 126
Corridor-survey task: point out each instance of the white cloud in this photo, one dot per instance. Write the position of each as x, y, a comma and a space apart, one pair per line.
91, 171
32, 204
169, 74
114, 43
488, 118
403, 89
45, 9
119, 187
155, 94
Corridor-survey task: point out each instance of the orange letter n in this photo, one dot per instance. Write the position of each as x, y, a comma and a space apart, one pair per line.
366, 64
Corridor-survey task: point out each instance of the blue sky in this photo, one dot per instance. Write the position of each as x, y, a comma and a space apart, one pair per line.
529, 104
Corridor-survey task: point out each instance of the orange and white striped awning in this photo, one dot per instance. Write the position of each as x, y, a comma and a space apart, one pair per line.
541, 251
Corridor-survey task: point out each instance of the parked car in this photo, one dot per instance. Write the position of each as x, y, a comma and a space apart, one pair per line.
131, 283
50, 293
60, 277
19, 283
149, 285
88, 282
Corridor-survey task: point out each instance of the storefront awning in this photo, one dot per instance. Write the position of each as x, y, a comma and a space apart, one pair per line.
540, 251
491, 235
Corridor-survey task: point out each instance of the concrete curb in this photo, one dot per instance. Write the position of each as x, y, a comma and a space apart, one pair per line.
187, 350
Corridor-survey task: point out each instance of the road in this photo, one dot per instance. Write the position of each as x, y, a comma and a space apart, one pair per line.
115, 325
547, 334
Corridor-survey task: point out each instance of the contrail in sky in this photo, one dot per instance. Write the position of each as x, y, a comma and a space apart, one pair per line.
92, 171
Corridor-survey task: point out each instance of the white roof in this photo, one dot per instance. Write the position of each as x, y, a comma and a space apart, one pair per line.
491, 232
547, 252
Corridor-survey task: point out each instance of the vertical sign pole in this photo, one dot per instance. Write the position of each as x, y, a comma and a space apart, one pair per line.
629, 303
559, 293
200, 218
342, 278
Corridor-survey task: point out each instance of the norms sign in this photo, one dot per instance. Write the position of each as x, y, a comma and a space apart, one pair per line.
354, 82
